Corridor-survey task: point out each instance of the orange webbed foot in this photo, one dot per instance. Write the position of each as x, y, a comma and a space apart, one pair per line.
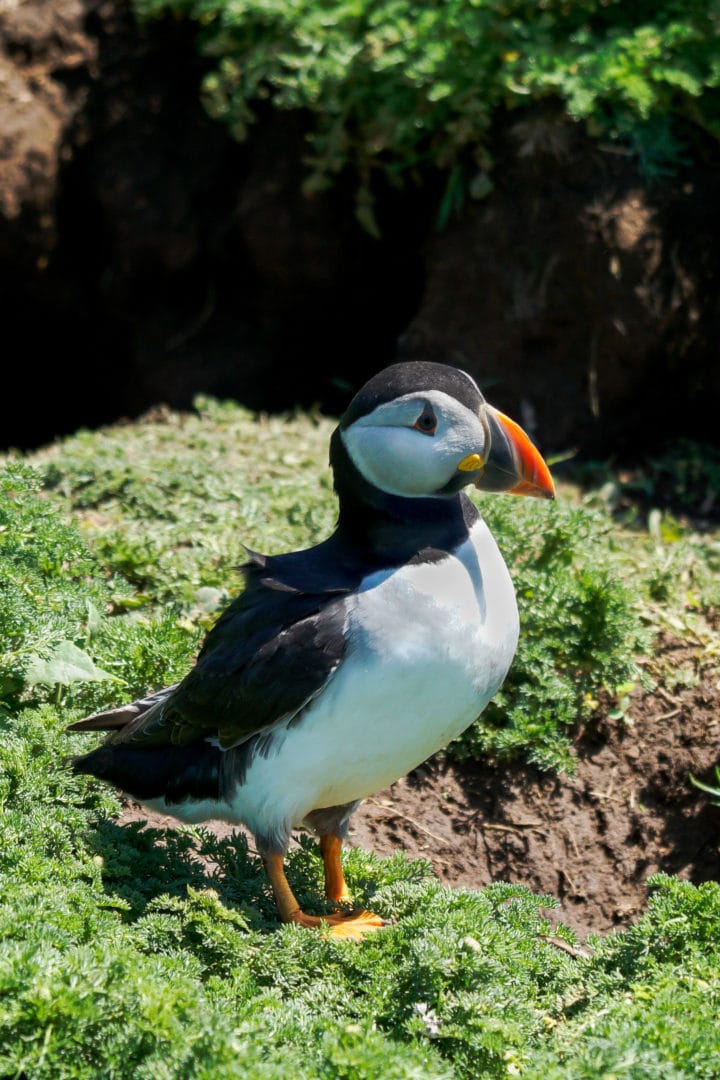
357, 925
352, 926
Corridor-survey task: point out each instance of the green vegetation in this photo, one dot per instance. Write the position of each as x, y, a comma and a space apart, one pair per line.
121, 955
167, 507
129, 952
581, 629
391, 87
712, 792
52, 589
55, 640
685, 476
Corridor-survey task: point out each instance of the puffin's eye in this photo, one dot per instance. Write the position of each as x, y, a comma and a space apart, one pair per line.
426, 422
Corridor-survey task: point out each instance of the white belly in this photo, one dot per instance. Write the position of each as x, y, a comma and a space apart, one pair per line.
429, 645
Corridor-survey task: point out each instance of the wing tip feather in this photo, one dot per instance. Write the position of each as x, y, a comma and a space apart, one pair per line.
109, 720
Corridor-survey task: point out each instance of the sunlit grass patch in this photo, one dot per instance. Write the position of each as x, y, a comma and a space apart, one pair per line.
166, 505
134, 952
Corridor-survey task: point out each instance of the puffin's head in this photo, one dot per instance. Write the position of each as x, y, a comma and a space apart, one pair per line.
424, 429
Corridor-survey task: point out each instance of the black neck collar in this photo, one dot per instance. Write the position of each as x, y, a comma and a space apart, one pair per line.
388, 529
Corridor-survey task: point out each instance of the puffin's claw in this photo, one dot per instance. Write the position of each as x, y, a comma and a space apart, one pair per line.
351, 927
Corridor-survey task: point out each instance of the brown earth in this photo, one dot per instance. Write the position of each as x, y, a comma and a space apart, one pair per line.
590, 840
161, 258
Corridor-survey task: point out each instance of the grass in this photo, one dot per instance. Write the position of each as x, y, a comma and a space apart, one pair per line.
128, 952
166, 506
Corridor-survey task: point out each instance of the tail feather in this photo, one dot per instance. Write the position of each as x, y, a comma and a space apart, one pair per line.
106, 721
174, 773
113, 719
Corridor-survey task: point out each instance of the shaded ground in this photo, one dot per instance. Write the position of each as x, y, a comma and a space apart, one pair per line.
590, 840
141, 241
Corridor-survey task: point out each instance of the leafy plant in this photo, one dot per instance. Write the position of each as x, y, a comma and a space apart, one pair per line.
55, 638
581, 627
713, 792
127, 951
581, 631
52, 591
137, 952
650, 996
685, 477
392, 88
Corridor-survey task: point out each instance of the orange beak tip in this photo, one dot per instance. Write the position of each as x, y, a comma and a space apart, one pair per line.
535, 480
535, 491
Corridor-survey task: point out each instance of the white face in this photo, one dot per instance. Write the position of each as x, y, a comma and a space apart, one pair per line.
412, 446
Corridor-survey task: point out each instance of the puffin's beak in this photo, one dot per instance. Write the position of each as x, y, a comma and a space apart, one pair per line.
514, 464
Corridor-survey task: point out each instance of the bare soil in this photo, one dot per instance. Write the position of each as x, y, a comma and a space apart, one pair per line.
590, 840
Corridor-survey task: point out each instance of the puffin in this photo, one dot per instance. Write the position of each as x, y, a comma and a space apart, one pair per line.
341, 667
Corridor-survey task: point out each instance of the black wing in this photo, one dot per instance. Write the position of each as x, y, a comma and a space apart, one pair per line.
269, 654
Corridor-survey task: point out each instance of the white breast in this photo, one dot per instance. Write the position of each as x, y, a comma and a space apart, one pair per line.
429, 645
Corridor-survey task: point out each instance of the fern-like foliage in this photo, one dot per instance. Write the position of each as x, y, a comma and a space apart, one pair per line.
581, 631
52, 589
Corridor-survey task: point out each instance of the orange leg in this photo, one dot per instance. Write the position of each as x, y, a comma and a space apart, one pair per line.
335, 887
354, 926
